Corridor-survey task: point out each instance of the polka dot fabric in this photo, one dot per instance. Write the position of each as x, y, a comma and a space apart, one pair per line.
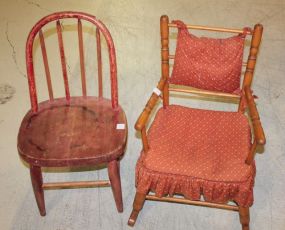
198, 152
207, 63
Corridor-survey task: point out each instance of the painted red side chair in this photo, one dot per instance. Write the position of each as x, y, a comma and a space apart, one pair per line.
201, 153
72, 131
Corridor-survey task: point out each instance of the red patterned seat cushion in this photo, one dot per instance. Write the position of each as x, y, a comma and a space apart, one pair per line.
207, 63
194, 152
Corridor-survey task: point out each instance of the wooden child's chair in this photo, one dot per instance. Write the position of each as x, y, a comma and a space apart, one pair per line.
72, 131
201, 153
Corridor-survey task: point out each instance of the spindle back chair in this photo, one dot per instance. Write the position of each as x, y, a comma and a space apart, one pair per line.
100, 29
72, 131
159, 141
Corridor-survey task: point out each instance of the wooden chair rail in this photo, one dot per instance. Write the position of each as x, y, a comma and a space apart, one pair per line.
218, 29
140, 124
76, 184
192, 202
204, 92
254, 115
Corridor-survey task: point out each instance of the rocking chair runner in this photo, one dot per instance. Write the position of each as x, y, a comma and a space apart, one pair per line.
194, 152
73, 131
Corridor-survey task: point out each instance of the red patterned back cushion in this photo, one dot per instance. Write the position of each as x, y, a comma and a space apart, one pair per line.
207, 63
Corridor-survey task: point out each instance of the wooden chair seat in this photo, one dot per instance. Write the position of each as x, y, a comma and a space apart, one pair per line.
194, 152
81, 132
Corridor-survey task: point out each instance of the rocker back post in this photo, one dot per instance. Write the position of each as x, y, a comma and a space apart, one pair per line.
100, 28
165, 57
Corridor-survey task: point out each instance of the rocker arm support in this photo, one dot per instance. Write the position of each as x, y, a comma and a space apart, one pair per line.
143, 118
259, 136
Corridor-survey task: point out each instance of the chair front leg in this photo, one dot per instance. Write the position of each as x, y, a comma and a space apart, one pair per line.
37, 182
137, 206
114, 176
244, 217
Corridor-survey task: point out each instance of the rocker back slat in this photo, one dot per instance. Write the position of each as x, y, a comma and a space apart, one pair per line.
217, 29
99, 59
62, 58
81, 54
45, 60
100, 29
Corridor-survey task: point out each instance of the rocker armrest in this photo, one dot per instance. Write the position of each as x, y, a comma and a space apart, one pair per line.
257, 127
143, 118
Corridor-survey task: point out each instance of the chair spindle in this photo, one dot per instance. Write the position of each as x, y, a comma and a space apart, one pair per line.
46, 65
99, 59
62, 57
81, 53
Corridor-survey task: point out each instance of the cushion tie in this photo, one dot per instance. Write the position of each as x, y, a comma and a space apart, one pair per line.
180, 24
246, 30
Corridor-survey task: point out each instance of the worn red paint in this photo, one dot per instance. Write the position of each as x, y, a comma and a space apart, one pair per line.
72, 131
62, 15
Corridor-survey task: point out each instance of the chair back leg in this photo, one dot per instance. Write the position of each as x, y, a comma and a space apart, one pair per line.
244, 217
114, 176
37, 182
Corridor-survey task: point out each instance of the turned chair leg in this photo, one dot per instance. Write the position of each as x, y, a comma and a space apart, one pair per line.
244, 218
37, 182
137, 206
114, 176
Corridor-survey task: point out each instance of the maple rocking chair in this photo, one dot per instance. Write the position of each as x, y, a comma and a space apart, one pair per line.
204, 155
